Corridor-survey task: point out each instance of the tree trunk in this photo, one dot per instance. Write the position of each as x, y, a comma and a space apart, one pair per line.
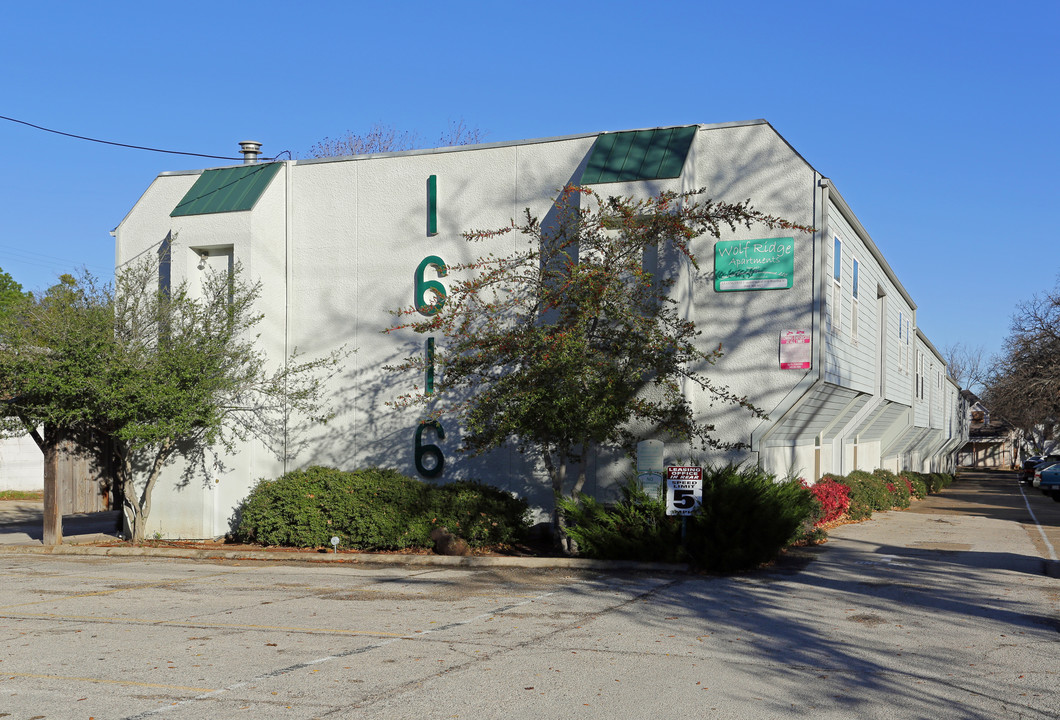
52, 533
53, 512
137, 507
557, 472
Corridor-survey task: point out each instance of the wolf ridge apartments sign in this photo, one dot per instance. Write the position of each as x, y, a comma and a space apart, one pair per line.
767, 264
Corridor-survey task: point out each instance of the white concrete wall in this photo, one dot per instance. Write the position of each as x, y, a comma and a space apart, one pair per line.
21, 464
336, 244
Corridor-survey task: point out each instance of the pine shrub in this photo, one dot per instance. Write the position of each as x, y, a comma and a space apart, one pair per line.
746, 519
635, 528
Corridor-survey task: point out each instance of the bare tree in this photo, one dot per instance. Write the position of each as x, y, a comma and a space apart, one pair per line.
1023, 384
966, 365
381, 138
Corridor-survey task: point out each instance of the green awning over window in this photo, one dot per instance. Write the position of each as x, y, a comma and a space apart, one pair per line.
227, 190
639, 155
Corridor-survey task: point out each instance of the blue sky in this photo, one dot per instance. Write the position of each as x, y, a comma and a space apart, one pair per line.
935, 120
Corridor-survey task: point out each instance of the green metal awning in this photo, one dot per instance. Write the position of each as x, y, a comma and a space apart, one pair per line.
227, 190
639, 155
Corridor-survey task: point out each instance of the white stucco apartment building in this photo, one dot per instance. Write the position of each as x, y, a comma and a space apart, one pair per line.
821, 335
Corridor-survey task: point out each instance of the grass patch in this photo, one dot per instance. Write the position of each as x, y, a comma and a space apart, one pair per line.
36, 495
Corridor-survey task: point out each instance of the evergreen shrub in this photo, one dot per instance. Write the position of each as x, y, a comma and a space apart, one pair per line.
745, 520
374, 509
898, 489
635, 528
937, 482
917, 485
868, 494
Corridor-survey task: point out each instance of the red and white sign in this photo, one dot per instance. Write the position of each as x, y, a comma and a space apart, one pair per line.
795, 350
684, 490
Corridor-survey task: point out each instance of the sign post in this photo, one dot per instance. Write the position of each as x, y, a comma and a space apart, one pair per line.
684, 493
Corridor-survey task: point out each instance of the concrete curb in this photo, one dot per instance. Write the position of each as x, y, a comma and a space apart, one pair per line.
472, 561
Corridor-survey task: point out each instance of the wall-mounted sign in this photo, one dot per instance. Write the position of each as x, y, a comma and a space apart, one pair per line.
795, 350
754, 264
650, 466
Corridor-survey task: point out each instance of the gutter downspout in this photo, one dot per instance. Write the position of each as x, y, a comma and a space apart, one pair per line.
814, 377
286, 296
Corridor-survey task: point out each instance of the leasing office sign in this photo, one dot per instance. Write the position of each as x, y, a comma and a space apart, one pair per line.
754, 264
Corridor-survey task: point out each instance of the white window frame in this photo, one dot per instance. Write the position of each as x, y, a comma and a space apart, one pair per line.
919, 386
901, 342
837, 284
908, 348
854, 302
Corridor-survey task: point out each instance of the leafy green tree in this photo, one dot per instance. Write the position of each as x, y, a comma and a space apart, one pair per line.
10, 292
139, 375
574, 341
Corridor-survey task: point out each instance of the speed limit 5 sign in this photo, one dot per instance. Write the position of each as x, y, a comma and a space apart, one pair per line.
684, 490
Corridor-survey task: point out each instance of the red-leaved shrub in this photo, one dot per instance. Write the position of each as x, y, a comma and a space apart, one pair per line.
833, 497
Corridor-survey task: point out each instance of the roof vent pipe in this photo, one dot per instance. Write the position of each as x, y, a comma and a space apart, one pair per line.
250, 150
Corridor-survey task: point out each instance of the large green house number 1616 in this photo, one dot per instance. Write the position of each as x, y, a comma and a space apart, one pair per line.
430, 461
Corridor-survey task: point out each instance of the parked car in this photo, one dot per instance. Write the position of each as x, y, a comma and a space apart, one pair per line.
1032, 463
1038, 469
1048, 480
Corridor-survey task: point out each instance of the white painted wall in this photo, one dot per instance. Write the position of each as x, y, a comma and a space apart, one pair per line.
21, 464
336, 244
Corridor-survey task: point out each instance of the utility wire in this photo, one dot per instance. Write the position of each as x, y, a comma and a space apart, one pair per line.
118, 144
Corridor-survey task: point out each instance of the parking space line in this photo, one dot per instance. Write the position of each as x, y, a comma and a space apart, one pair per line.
105, 681
195, 625
97, 593
338, 656
1048, 545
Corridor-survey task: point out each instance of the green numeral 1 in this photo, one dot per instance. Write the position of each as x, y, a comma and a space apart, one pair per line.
432, 205
429, 381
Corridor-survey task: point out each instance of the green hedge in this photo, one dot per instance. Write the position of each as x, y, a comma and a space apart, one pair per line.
920, 486
375, 509
745, 520
900, 493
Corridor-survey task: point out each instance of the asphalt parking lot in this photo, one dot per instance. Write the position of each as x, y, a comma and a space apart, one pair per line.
947, 611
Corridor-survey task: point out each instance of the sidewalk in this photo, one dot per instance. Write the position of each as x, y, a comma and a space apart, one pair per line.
22, 524
980, 522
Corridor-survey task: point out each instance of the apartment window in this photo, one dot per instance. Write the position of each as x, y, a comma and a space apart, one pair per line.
901, 343
908, 349
165, 266
919, 386
854, 303
837, 283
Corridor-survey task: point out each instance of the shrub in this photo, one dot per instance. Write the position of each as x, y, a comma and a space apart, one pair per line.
938, 482
636, 528
918, 487
833, 499
746, 518
898, 489
868, 494
481, 514
374, 509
